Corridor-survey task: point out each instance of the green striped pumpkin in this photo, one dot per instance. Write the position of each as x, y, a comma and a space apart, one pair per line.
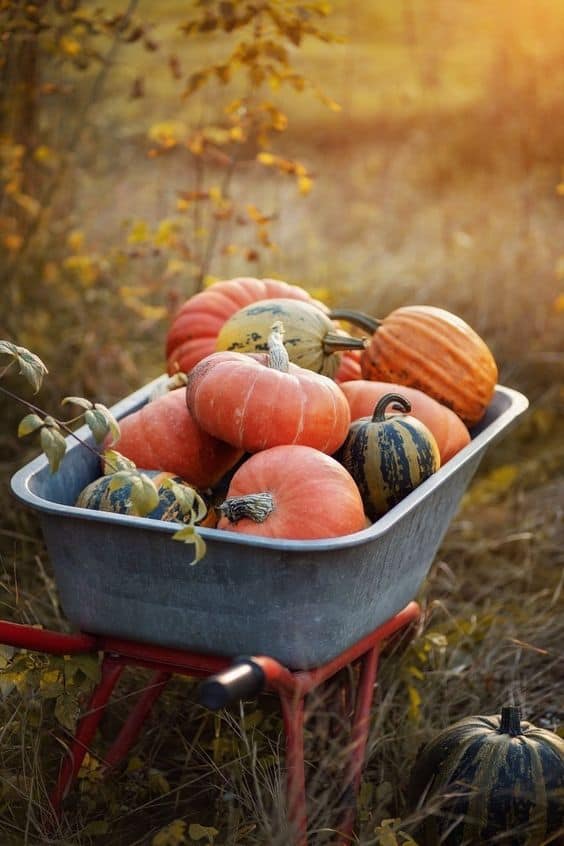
312, 341
388, 455
485, 777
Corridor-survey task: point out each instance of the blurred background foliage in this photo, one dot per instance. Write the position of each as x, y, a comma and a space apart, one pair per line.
379, 154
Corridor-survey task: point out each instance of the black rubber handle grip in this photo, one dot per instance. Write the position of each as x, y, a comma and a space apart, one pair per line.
244, 679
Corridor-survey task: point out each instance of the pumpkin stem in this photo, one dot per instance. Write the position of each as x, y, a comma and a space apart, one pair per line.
510, 722
255, 507
278, 357
379, 412
333, 342
357, 318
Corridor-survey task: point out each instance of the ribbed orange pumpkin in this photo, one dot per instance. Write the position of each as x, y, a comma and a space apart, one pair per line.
162, 435
448, 429
433, 350
193, 332
256, 401
292, 492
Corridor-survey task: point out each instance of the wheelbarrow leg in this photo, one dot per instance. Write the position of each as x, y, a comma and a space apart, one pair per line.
110, 673
359, 739
293, 717
134, 722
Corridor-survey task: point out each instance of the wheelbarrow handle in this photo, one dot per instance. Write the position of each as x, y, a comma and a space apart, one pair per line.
243, 679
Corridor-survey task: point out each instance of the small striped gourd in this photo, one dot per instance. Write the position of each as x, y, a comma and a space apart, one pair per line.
490, 780
388, 455
104, 495
311, 339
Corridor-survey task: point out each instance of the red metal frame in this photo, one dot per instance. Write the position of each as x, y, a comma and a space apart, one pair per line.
291, 686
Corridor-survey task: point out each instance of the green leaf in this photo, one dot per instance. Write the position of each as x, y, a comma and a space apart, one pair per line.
67, 711
198, 832
191, 504
189, 534
144, 496
113, 461
88, 664
30, 423
83, 403
96, 828
113, 425
31, 366
97, 424
54, 446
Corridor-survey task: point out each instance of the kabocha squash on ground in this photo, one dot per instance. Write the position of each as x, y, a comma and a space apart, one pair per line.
447, 428
388, 455
177, 501
311, 339
194, 329
486, 777
162, 435
256, 401
293, 492
430, 349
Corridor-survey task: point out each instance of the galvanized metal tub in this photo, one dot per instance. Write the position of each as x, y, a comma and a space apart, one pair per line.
302, 602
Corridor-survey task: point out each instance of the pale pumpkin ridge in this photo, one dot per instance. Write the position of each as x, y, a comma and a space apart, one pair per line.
396, 352
430, 328
329, 438
491, 757
303, 395
540, 807
246, 401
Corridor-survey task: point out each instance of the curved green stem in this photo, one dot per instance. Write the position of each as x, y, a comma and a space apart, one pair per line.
254, 507
333, 342
379, 415
357, 318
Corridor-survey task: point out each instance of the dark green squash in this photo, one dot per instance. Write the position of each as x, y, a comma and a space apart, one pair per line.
388, 455
485, 777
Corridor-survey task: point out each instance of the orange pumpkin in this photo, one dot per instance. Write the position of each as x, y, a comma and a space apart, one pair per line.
433, 350
193, 332
292, 492
256, 401
162, 435
448, 429
349, 367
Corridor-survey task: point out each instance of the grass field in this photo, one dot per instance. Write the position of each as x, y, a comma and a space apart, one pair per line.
437, 183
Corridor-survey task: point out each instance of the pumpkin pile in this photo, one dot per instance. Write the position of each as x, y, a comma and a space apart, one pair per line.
292, 428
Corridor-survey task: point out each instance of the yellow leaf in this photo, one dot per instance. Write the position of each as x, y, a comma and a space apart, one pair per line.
84, 268
214, 194
558, 304
236, 133
139, 233
45, 155
165, 235
266, 158
414, 703
75, 240
13, 242
69, 46
170, 835
560, 189
305, 184
167, 133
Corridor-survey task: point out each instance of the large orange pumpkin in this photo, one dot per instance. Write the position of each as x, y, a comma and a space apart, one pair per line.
193, 332
162, 435
292, 492
448, 429
433, 350
256, 401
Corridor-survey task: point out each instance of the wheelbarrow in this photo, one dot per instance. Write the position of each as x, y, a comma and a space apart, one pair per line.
297, 611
